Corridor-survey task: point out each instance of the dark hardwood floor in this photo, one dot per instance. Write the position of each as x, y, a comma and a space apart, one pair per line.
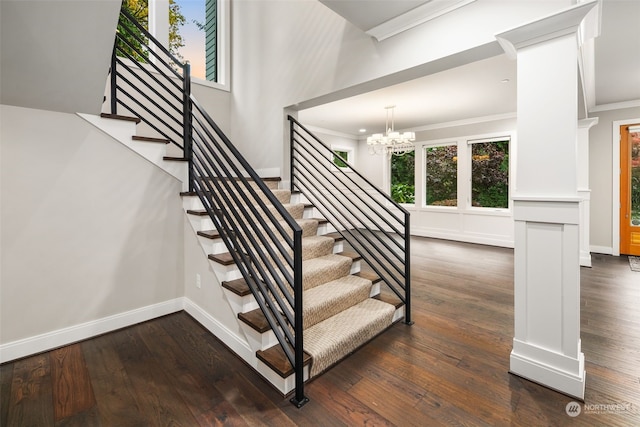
449, 368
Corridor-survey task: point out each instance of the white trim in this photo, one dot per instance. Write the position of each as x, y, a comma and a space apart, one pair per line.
419, 15
487, 239
61, 337
229, 338
616, 106
330, 132
615, 180
601, 250
471, 121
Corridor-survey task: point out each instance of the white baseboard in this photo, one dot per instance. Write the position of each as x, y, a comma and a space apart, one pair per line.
489, 240
61, 337
568, 377
233, 341
601, 250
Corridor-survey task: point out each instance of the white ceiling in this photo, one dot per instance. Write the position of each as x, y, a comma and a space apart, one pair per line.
452, 95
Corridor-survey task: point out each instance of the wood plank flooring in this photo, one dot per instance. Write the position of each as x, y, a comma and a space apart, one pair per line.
449, 368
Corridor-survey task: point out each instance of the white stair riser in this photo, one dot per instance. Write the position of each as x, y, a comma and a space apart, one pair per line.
257, 340
215, 246
241, 304
284, 385
355, 267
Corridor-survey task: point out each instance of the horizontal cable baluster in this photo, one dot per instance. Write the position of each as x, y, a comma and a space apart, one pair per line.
245, 246
336, 207
252, 192
261, 236
161, 132
234, 205
328, 169
373, 224
154, 90
155, 103
156, 44
343, 174
347, 230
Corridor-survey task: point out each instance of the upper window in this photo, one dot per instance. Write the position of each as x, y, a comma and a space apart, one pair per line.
441, 183
403, 172
191, 34
196, 37
342, 157
490, 174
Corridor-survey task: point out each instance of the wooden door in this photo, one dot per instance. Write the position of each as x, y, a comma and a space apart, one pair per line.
630, 189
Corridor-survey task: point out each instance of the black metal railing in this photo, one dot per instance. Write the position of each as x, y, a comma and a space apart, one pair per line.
265, 243
374, 225
148, 82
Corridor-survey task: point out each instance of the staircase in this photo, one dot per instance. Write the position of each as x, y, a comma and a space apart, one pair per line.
302, 275
342, 306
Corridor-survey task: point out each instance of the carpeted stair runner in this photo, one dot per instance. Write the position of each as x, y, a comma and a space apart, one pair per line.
339, 313
331, 340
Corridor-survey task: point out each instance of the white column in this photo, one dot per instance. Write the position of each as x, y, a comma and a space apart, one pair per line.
546, 346
584, 191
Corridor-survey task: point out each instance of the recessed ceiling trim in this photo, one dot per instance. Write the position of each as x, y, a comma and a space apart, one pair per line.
415, 17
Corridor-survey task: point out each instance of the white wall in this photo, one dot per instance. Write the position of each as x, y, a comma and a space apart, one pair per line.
288, 52
55, 54
89, 228
601, 176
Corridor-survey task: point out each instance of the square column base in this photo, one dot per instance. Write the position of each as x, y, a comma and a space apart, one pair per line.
561, 373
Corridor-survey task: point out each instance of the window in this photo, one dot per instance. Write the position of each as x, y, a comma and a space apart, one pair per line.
490, 174
342, 158
441, 183
403, 168
196, 40
190, 29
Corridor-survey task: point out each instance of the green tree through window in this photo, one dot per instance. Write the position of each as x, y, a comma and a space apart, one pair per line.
139, 9
403, 167
441, 175
490, 174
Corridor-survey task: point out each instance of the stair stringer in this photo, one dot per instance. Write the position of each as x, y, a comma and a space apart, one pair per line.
245, 341
123, 131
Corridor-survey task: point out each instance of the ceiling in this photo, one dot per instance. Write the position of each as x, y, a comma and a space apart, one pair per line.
451, 95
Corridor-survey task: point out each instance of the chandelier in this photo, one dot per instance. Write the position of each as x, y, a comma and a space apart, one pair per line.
391, 142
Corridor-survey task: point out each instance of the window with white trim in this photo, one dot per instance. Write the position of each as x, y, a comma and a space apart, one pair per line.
489, 173
441, 175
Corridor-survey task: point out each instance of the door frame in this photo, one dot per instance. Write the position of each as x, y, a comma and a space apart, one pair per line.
615, 196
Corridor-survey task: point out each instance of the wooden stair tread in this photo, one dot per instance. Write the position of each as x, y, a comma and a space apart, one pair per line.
275, 358
198, 212
237, 286
369, 276
353, 255
390, 299
188, 193
335, 236
175, 159
209, 234
150, 139
224, 258
119, 117
256, 319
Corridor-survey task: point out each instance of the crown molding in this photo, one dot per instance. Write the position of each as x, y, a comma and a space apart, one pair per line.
415, 17
559, 24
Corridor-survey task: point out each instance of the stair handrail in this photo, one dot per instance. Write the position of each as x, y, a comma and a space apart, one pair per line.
266, 249
161, 70
381, 236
